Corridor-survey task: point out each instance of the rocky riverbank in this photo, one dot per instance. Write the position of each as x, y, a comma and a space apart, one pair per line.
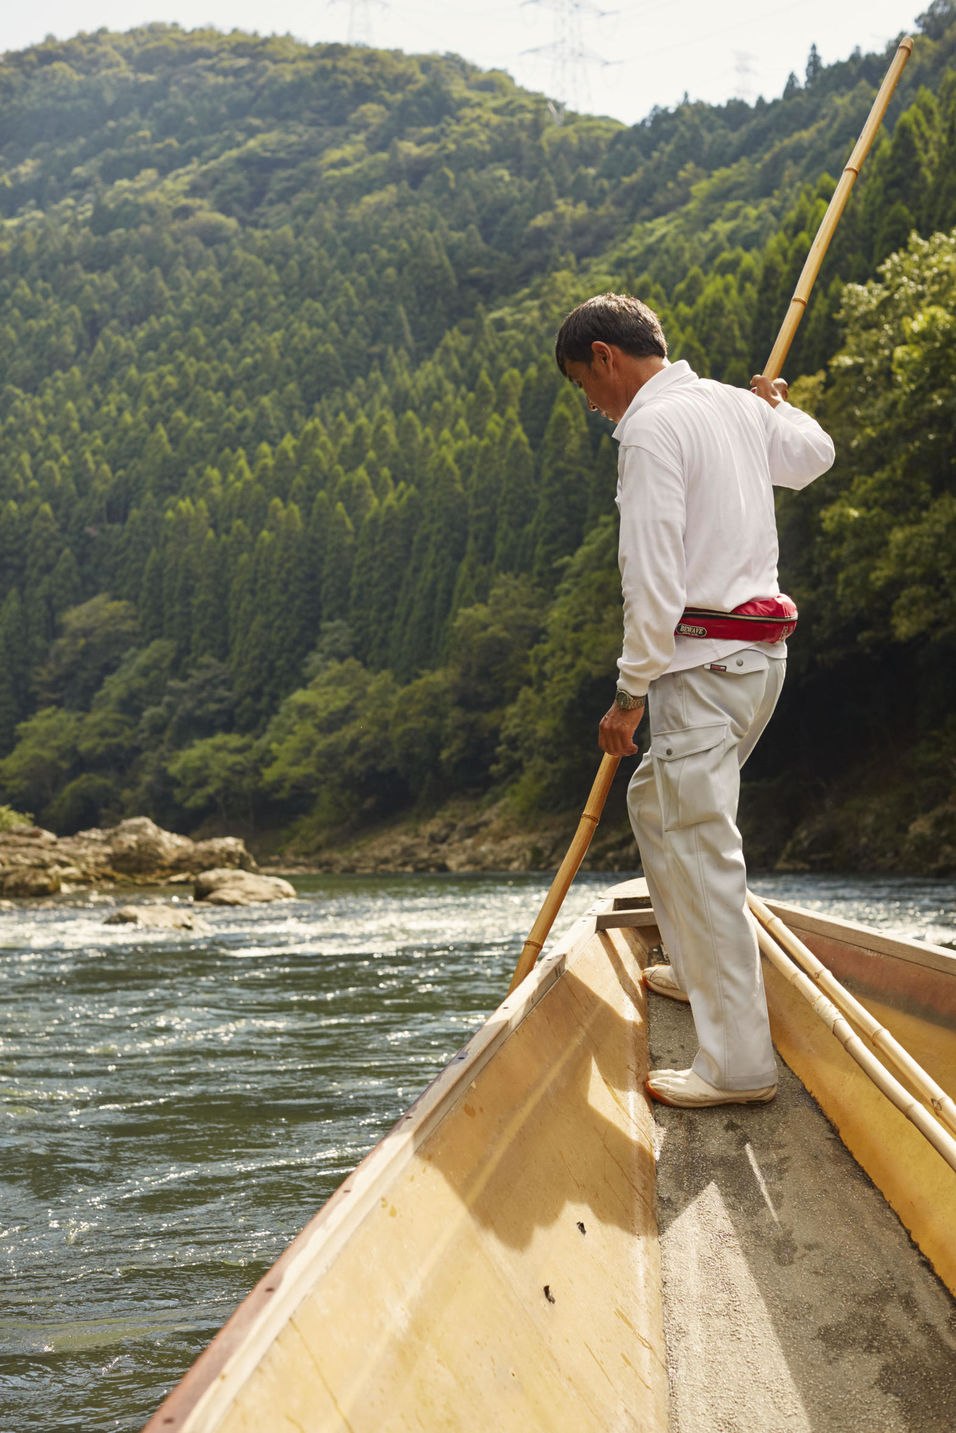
34, 862
879, 830
465, 837
853, 835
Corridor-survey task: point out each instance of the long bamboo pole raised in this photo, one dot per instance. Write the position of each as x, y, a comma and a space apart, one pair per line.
835, 208
609, 764
941, 1104
567, 870
927, 1124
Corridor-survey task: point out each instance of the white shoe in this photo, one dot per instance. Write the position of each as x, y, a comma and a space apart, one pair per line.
687, 1090
662, 980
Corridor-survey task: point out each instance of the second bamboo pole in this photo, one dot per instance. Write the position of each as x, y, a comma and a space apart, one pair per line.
924, 1120
922, 1084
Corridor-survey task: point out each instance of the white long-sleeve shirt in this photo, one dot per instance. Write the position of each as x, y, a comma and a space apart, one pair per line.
696, 468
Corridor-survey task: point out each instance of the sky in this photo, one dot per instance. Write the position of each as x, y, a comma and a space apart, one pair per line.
619, 61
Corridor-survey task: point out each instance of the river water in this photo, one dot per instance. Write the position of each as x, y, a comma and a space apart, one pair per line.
177, 1105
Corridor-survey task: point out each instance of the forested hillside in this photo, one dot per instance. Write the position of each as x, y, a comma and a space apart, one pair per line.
301, 528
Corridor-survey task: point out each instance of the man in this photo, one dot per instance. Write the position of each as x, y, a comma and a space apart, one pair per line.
696, 465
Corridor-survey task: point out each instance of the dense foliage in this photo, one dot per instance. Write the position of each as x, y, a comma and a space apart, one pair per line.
299, 524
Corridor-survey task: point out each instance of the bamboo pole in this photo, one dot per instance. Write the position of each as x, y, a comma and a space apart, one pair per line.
567, 870
923, 1085
605, 775
927, 1124
835, 208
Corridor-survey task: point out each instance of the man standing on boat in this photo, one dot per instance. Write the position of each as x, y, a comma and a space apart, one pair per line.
704, 629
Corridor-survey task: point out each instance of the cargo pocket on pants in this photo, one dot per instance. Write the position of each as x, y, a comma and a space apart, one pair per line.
694, 779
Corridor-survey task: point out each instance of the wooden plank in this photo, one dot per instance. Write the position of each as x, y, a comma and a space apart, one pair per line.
621, 920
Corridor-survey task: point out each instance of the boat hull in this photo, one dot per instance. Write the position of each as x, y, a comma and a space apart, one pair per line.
494, 1261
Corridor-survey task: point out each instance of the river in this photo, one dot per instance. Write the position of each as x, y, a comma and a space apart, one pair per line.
177, 1105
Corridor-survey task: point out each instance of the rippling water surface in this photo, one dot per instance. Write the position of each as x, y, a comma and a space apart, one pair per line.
176, 1105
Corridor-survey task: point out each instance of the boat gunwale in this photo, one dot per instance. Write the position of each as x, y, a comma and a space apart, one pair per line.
865, 937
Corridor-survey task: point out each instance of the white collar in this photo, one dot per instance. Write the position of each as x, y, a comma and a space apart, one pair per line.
675, 375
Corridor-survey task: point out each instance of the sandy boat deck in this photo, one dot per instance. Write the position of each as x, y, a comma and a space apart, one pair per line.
794, 1299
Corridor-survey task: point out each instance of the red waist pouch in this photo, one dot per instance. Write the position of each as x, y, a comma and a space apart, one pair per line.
763, 619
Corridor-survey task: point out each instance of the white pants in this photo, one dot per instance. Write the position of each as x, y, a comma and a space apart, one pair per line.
682, 802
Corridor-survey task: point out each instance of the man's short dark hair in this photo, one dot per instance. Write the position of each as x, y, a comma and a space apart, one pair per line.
609, 318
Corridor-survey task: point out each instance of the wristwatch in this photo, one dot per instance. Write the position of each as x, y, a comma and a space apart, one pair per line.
626, 702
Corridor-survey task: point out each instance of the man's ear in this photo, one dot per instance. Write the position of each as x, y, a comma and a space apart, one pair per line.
601, 352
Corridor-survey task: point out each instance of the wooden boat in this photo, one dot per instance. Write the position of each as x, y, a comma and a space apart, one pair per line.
494, 1262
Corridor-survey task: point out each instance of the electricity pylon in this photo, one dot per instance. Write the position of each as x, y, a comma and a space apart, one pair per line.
360, 19
570, 58
746, 74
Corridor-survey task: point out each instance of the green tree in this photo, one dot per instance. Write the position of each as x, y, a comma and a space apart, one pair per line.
218, 776
14, 669
549, 732
328, 749
516, 506
337, 558
563, 486
42, 760
93, 639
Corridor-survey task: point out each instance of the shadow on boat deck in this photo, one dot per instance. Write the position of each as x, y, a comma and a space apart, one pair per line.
558, 1122
794, 1300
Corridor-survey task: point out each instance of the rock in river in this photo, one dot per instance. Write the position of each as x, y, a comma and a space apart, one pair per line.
239, 888
156, 917
139, 847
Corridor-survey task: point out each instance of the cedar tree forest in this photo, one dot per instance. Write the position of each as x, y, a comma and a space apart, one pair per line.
302, 531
